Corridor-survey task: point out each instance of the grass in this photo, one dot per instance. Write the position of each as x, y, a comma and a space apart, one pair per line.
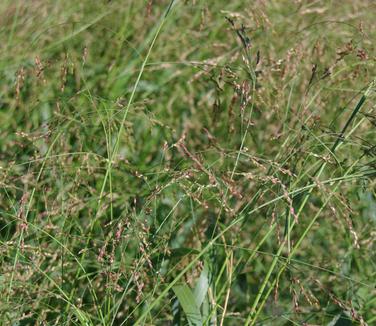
187, 162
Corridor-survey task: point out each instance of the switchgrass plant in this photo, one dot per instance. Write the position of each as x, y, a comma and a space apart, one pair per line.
187, 162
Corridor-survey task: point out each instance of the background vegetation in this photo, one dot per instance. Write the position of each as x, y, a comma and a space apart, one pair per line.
193, 162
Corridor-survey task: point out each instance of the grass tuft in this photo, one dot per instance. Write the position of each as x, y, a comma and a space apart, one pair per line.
187, 162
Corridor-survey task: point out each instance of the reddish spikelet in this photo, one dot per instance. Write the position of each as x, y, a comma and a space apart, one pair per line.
39, 69
197, 162
149, 7
101, 254
352, 231
63, 73
84, 55
276, 291
139, 285
118, 233
295, 297
362, 54
20, 79
273, 220
292, 212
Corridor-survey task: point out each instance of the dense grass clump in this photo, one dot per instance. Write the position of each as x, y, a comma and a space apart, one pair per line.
187, 162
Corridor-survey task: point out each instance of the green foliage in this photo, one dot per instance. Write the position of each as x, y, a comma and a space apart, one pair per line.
187, 162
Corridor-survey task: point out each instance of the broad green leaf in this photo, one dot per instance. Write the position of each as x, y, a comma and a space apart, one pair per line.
188, 303
201, 288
